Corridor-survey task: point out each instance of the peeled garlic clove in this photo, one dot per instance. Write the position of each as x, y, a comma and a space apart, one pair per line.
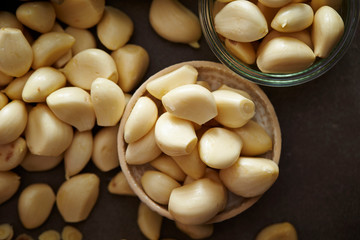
3, 100
35, 204
167, 15
283, 230
8, 19
132, 61
104, 155
239, 91
71, 233
335, 4
191, 164
160, 86
6, 231
143, 150
15, 88
255, 139
327, 30
158, 186
89, 65
293, 18
141, 119
219, 148
50, 235
17, 55
12, 154
275, 3
78, 154
38, 16
200, 231
167, 165
115, 28
295, 56
190, 102
13, 120
241, 21
149, 222
24, 236
79, 13
68, 55
41, 83
119, 185
45, 134
5, 79
108, 101
73, 105
197, 202
9, 184
77, 196
39, 163
234, 110
243, 51
84, 39
250, 177
49, 47
268, 12
175, 136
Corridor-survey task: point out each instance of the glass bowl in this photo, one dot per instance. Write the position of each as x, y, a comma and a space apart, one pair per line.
350, 12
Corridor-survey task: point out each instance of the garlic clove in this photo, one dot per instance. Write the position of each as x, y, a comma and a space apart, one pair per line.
282, 230
335, 4
191, 164
12, 154
200, 231
84, 39
3, 100
39, 163
167, 165
239, 91
149, 222
71, 233
15, 88
8, 19
6, 231
119, 185
275, 3
9, 184
242, 50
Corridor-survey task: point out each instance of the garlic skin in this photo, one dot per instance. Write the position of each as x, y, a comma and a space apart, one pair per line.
174, 22
241, 21
327, 30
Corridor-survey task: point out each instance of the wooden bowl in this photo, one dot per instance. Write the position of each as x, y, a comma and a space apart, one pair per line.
215, 74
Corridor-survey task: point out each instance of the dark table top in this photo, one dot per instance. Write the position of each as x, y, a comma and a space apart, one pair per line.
318, 186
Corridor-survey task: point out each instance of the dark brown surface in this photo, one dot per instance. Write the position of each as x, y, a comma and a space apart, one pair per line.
318, 187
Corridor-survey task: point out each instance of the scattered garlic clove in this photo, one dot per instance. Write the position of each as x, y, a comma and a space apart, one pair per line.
143, 150
335, 4
84, 39
42, 82
241, 21
295, 56
89, 65
167, 15
9, 20
49, 47
115, 28
9, 184
158, 186
167, 165
191, 164
242, 50
283, 230
200, 231
141, 119
50, 235
17, 55
119, 185
45, 134
5, 79
39, 163
191, 102
35, 204
255, 139
15, 88
79, 13
197, 202
160, 86
78, 154
77, 196
108, 101
12, 154
71, 233
249, 176
38, 16
13, 120
234, 110
132, 62
6, 231
104, 155
294, 17
219, 148
24, 236
73, 105
275, 3
149, 222
175, 136
239, 91
3, 100
327, 30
